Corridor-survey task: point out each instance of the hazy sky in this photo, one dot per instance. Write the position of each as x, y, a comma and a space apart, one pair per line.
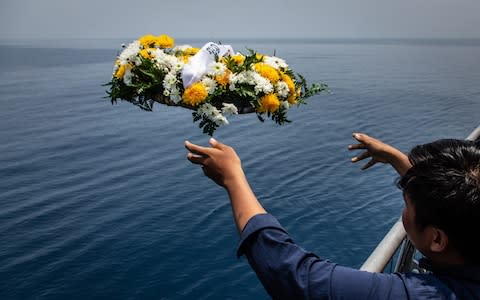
245, 18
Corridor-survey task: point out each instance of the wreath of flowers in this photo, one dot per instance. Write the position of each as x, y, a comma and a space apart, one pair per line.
149, 70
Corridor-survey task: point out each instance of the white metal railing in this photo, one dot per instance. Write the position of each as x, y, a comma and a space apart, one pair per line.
474, 135
385, 250
396, 237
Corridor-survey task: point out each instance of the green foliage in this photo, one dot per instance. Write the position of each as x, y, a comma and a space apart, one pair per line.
280, 116
309, 91
206, 124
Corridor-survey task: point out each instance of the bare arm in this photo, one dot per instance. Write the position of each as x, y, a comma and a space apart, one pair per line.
222, 164
379, 152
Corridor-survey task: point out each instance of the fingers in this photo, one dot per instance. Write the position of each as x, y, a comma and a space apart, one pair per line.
369, 164
196, 159
361, 137
357, 146
361, 156
213, 142
216, 144
196, 149
198, 154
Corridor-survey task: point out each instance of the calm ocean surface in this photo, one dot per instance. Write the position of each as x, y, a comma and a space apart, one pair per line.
99, 202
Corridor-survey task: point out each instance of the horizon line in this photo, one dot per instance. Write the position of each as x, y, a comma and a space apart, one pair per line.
249, 38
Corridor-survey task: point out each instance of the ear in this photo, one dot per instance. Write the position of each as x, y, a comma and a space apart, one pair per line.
439, 241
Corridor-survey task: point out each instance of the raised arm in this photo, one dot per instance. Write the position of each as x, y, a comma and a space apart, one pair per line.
286, 270
222, 164
379, 152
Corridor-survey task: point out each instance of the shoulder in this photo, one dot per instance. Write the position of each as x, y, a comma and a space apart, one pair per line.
348, 283
426, 286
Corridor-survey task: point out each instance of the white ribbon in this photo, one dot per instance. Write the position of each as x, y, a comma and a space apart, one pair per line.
198, 64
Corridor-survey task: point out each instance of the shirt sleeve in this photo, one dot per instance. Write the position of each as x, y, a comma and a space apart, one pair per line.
289, 272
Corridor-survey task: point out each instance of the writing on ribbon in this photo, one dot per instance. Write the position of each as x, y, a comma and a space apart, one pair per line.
213, 49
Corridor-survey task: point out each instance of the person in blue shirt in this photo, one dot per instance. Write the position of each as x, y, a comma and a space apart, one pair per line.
440, 182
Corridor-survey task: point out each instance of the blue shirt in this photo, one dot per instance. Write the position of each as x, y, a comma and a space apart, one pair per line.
289, 272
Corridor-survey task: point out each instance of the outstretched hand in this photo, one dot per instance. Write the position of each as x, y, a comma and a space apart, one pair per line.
379, 152
222, 164
219, 162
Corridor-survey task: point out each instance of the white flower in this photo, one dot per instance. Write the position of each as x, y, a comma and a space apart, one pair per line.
207, 109
167, 62
212, 113
175, 95
169, 84
262, 84
159, 54
137, 60
281, 88
250, 77
209, 84
129, 53
166, 93
229, 108
178, 66
127, 77
233, 79
219, 119
169, 80
285, 105
216, 69
275, 62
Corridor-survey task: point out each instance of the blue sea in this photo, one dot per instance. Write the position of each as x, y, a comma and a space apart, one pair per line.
98, 201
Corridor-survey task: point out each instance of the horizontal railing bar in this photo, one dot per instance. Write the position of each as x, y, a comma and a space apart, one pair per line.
474, 135
384, 251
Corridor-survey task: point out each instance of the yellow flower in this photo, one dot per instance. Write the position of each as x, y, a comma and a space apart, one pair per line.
269, 103
147, 40
195, 94
185, 58
289, 82
223, 79
185, 55
120, 71
259, 56
267, 71
238, 59
147, 53
164, 41
223, 60
292, 98
191, 51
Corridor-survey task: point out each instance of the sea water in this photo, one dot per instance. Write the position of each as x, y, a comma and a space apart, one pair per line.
98, 201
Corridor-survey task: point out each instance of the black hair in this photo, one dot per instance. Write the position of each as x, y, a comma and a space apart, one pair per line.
444, 186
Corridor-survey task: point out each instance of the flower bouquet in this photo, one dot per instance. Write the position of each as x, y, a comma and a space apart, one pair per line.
213, 81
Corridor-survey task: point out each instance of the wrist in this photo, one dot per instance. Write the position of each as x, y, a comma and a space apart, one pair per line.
399, 161
234, 180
